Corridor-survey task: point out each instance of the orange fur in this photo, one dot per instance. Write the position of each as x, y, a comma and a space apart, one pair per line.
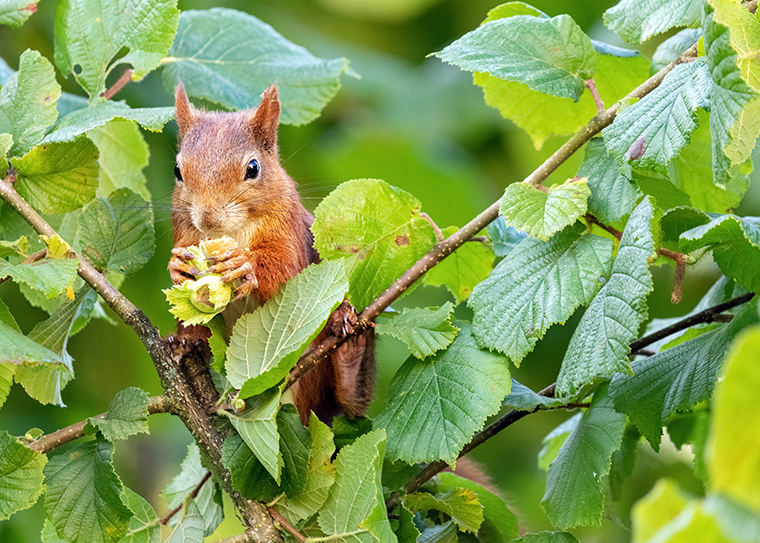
266, 218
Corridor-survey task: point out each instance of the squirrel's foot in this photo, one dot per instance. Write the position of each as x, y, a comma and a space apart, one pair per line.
236, 266
179, 270
342, 321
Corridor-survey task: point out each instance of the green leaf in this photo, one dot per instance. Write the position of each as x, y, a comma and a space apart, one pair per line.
127, 415
189, 529
665, 195
542, 115
600, 344
463, 269
624, 462
460, 504
249, 476
51, 276
208, 502
522, 398
83, 120
675, 379
58, 177
692, 429
665, 515
499, 523
20, 475
503, 238
543, 214
6, 141
257, 425
735, 242
407, 531
90, 34
744, 31
553, 441
440, 402
357, 497
7, 370
664, 118
733, 448
218, 343
143, 527
48, 534
123, 155
692, 173
83, 498
733, 104
295, 443
16, 12
674, 47
442, 533
117, 234
657, 509
230, 58
638, 20
27, 102
552, 56
44, 382
536, 285
425, 330
613, 195
378, 228
574, 489
547, 537
320, 476
266, 344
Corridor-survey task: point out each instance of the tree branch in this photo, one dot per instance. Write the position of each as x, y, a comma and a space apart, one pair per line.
176, 386
444, 248
46, 443
282, 521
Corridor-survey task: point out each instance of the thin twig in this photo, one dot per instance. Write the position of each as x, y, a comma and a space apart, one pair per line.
48, 442
193, 494
677, 294
479, 239
708, 315
282, 521
591, 86
125, 78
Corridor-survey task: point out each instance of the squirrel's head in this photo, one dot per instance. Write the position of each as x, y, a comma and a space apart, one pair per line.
228, 172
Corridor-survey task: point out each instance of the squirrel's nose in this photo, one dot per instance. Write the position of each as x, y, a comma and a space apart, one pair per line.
207, 220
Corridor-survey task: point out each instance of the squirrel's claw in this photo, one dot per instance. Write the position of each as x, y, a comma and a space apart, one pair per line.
180, 271
342, 321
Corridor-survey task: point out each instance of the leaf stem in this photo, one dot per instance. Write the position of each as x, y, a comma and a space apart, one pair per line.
48, 442
438, 233
193, 494
591, 86
125, 78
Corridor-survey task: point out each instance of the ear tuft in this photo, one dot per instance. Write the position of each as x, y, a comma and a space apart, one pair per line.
184, 111
266, 119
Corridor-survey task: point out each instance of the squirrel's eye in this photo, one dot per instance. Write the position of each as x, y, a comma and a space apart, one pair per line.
252, 171
177, 173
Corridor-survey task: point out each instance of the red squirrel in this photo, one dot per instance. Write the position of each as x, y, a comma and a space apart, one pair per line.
229, 181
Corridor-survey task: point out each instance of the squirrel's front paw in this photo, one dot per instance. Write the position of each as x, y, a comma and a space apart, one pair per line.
342, 321
237, 266
179, 269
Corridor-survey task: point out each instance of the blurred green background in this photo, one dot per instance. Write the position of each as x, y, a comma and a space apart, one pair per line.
416, 123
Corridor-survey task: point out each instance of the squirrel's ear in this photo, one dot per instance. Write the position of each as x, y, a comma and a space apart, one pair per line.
266, 119
184, 113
